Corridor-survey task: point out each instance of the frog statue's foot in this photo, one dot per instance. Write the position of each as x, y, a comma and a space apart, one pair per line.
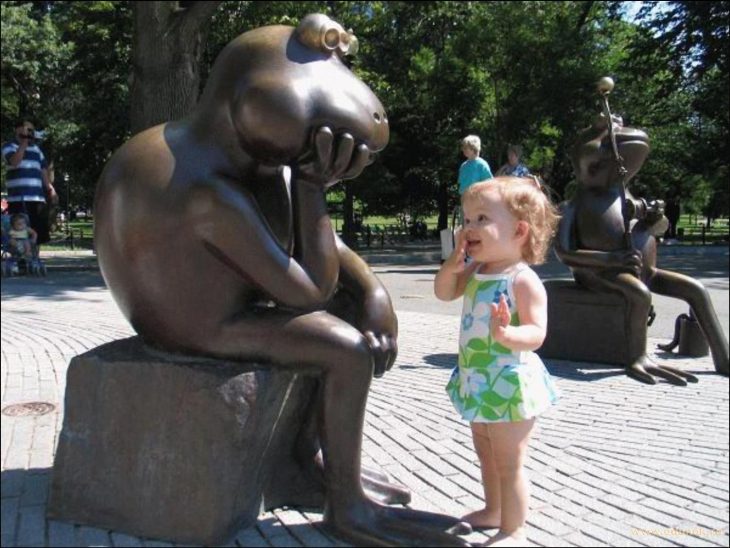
644, 370
376, 484
364, 522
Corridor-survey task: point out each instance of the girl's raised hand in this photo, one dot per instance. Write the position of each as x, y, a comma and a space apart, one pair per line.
499, 320
456, 261
452, 277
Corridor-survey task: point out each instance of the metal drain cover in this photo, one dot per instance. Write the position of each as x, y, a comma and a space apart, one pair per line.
33, 408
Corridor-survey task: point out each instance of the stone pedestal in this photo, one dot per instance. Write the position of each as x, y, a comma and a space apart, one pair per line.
584, 325
172, 447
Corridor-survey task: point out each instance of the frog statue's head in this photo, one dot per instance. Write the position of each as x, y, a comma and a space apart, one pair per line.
593, 157
279, 84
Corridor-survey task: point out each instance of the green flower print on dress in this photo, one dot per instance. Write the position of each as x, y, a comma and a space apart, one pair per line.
491, 382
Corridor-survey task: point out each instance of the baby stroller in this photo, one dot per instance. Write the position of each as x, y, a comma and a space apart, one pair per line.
14, 260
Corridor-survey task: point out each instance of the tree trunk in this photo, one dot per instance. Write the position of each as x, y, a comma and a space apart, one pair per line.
166, 51
585, 11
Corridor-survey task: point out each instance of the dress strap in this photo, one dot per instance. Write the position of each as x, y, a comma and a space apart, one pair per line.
518, 269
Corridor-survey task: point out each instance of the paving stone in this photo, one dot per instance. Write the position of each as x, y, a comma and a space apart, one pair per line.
94, 536
35, 489
579, 539
711, 496
12, 484
251, 537
617, 533
122, 540
9, 521
542, 538
547, 522
442, 484
31, 526
435, 462
716, 537
685, 514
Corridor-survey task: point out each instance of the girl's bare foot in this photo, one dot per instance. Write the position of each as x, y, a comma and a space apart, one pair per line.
517, 538
483, 519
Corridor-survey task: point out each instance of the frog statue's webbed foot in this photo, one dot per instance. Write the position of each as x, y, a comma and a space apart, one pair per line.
379, 486
645, 370
364, 522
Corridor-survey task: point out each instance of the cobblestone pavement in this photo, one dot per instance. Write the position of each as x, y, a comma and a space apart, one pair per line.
616, 463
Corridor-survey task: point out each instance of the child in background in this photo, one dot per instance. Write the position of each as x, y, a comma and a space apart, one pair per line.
500, 384
21, 236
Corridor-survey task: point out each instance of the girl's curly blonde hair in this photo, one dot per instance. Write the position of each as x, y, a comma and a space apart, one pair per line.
525, 199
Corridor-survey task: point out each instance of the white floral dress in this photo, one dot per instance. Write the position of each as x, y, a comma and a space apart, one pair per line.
491, 382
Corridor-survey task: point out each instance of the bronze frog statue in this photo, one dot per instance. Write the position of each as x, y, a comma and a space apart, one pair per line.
213, 236
608, 239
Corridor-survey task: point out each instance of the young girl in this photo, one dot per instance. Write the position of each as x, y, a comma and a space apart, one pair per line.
500, 384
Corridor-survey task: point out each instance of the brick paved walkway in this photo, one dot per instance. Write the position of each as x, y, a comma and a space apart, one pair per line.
616, 463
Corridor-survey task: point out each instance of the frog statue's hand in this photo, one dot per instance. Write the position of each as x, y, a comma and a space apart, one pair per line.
380, 327
629, 260
331, 160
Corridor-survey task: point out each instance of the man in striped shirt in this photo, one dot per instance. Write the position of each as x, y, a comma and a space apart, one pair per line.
27, 179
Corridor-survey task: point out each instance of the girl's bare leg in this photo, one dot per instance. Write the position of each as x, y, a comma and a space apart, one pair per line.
509, 446
490, 516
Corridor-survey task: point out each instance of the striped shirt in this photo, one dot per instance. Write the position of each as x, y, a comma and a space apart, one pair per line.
25, 181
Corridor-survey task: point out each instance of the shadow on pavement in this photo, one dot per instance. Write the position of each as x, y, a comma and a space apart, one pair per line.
58, 285
439, 360
564, 369
582, 371
30, 485
577, 371
697, 266
557, 368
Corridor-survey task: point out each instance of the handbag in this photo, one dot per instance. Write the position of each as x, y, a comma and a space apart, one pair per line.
448, 237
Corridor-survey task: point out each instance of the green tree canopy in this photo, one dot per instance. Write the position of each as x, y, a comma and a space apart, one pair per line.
511, 72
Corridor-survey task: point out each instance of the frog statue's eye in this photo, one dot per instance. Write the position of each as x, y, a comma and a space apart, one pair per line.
320, 33
348, 43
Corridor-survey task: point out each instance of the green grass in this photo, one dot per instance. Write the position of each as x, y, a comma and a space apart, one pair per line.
81, 236
384, 221
693, 227
431, 222
718, 225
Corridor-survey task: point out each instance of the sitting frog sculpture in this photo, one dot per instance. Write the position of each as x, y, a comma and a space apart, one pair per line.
213, 236
608, 254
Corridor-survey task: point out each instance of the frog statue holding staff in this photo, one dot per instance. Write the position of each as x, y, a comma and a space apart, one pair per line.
609, 240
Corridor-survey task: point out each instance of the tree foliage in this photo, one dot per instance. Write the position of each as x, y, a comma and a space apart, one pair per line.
511, 72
